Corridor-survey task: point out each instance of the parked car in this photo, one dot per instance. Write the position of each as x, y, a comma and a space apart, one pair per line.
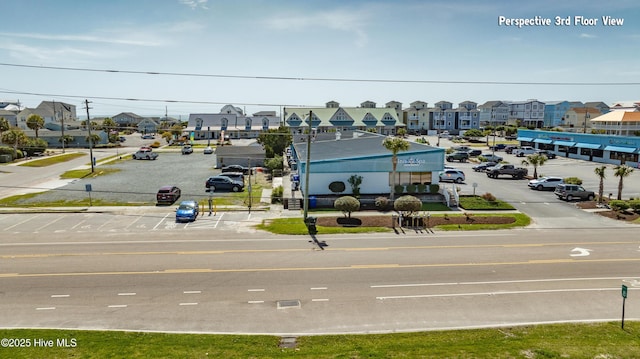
236, 176
458, 156
187, 150
144, 154
122, 138
570, 191
482, 167
236, 168
187, 211
148, 137
550, 155
168, 194
490, 157
223, 183
462, 148
208, 150
524, 151
498, 147
452, 175
543, 183
510, 148
474, 153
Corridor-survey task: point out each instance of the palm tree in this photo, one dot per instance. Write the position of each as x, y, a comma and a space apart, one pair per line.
14, 137
535, 160
621, 171
395, 145
4, 125
66, 140
35, 122
600, 172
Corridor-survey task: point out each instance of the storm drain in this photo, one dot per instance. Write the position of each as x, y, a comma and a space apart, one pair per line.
288, 342
285, 304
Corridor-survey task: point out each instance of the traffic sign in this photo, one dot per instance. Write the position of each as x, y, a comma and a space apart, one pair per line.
624, 291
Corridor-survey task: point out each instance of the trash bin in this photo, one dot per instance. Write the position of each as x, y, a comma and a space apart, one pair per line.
311, 224
312, 202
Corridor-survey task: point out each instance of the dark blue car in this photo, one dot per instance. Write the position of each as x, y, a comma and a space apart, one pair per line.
187, 211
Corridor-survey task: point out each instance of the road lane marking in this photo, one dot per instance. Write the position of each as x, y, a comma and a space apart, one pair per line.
192, 292
117, 306
255, 301
320, 300
60, 296
46, 308
255, 290
319, 288
184, 304
495, 282
484, 294
126, 294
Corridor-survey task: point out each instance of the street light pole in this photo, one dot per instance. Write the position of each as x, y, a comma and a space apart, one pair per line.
306, 169
586, 116
86, 102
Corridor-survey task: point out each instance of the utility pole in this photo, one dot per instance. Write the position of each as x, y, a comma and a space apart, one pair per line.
306, 169
86, 102
61, 125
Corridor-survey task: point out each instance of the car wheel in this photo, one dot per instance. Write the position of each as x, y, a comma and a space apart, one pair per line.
590, 197
539, 188
458, 180
569, 198
212, 188
236, 189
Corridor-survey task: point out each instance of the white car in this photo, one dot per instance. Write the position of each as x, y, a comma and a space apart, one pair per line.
543, 183
452, 175
524, 151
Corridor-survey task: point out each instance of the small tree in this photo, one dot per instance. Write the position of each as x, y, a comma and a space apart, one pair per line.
14, 137
275, 163
621, 171
347, 204
355, 181
4, 126
394, 145
66, 139
535, 160
407, 205
35, 122
600, 172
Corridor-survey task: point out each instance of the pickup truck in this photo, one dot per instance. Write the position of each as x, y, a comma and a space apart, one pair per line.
506, 169
524, 151
144, 154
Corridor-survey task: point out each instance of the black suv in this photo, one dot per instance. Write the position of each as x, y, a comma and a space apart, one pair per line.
236, 168
223, 183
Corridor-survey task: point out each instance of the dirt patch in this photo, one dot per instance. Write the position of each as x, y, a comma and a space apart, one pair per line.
386, 220
621, 216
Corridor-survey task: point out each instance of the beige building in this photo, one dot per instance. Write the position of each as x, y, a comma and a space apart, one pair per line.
578, 119
621, 123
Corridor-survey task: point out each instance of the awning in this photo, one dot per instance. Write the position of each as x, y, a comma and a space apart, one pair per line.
592, 146
564, 143
542, 140
524, 139
620, 149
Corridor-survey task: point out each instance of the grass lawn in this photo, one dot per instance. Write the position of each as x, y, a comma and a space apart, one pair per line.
479, 203
52, 160
597, 340
297, 226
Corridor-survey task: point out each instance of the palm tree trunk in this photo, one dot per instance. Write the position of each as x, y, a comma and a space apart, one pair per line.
620, 189
394, 162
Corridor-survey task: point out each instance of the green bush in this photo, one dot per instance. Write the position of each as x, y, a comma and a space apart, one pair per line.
618, 205
407, 205
635, 205
573, 180
347, 204
383, 203
276, 195
434, 188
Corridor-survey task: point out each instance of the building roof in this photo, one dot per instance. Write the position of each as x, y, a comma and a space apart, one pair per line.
618, 116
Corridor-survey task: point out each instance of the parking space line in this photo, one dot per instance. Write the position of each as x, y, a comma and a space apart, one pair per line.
51, 222
132, 223
22, 222
218, 221
79, 223
160, 222
107, 222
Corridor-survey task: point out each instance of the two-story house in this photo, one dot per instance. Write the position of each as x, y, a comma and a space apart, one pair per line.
493, 113
528, 113
230, 123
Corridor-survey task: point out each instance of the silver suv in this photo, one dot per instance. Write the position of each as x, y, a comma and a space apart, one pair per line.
543, 183
452, 175
570, 191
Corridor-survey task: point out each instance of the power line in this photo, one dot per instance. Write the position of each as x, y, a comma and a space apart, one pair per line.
326, 79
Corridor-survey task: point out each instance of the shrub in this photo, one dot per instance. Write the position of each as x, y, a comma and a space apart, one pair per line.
618, 205
573, 180
407, 205
382, 203
635, 205
276, 195
489, 197
434, 188
347, 204
274, 163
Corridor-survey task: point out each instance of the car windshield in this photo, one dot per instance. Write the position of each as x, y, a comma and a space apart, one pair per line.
185, 206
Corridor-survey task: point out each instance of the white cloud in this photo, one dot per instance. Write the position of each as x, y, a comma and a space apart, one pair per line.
587, 36
195, 3
79, 38
342, 20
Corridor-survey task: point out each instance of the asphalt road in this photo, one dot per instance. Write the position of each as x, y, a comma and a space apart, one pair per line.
261, 283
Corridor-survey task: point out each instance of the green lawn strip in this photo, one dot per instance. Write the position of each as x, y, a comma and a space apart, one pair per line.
52, 160
22, 200
596, 340
86, 173
521, 220
296, 226
479, 203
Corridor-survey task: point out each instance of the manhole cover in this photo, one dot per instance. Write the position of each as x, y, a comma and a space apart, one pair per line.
284, 304
288, 342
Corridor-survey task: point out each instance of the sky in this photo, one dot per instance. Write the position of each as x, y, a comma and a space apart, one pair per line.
178, 57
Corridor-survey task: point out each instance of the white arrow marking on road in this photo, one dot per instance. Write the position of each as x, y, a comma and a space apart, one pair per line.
582, 252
